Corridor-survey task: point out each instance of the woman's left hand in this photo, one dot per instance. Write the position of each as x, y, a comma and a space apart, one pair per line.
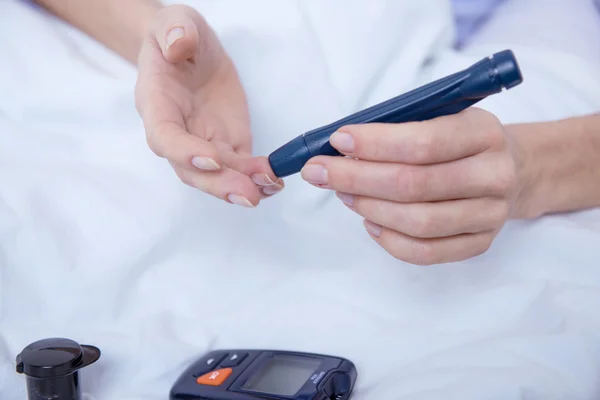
431, 192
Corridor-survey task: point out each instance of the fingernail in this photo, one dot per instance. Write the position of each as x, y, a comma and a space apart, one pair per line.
343, 142
314, 173
347, 199
240, 200
374, 229
262, 180
271, 190
205, 163
174, 35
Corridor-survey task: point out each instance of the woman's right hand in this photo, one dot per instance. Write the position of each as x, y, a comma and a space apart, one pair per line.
195, 112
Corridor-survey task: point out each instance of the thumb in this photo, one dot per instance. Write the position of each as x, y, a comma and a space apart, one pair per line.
176, 33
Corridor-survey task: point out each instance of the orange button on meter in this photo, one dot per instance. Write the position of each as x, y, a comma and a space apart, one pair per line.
214, 378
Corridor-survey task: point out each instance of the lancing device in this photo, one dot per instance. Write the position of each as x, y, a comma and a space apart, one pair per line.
446, 96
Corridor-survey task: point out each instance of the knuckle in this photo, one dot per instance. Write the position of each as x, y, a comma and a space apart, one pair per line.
425, 147
368, 143
504, 178
457, 123
424, 254
424, 224
397, 252
479, 116
477, 113
483, 247
410, 183
185, 177
427, 254
342, 178
417, 252
497, 138
489, 118
420, 253
486, 245
477, 251
154, 144
487, 124
159, 141
500, 213
494, 130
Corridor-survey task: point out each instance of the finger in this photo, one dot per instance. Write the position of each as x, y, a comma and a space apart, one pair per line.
168, 137
430, 251
228, 185
438, 140
432, 220
176, 33
487, 174
171, 141
257, 168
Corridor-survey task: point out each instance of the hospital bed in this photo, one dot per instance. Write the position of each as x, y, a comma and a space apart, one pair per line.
101, 243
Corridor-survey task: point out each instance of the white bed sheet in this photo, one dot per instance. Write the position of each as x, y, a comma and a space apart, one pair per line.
100, 242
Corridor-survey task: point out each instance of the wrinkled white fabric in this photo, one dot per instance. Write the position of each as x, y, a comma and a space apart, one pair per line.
101, 243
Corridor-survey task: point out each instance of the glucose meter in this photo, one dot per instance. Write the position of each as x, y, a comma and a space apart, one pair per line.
266, 374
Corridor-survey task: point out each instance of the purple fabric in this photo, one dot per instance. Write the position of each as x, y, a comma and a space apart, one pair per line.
470, 14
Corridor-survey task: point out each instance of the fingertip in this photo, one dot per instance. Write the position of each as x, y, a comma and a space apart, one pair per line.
173, 35
269, 191
374, 230
267, 186
262, 179
259, 169
240, 200
179, 43
343, 141
173, 142
203, 155
206, 163
245, 188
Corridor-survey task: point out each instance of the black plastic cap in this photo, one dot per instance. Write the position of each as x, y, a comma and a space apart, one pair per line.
55, 357
290, 158
508, 68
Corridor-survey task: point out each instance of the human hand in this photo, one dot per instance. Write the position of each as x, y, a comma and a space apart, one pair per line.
431, 192
194, 110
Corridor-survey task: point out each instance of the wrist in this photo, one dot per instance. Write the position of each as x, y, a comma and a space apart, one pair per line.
527, 201
558, 166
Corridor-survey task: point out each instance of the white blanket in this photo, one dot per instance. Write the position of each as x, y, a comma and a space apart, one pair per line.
101, 243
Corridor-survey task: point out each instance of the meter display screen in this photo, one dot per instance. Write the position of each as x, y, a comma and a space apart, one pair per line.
283, 375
